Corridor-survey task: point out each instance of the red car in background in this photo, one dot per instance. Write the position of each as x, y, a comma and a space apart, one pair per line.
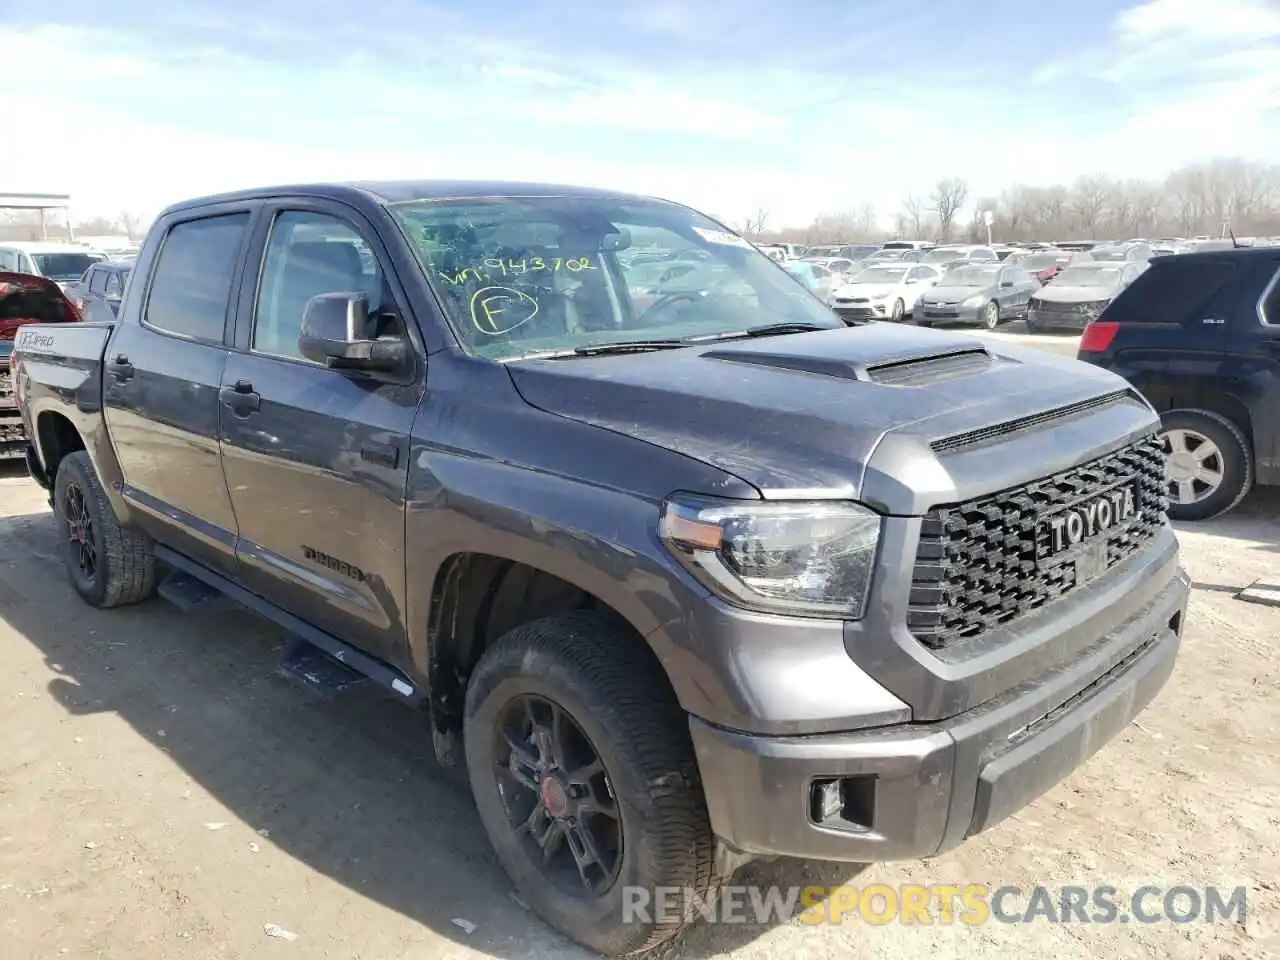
1044, 265
23, 299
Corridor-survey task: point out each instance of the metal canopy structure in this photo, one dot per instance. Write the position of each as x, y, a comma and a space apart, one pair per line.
42, 203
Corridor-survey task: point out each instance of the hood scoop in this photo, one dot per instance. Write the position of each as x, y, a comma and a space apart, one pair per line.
916, 370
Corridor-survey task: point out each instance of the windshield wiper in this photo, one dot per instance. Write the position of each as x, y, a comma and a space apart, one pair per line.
627, 346
766, 330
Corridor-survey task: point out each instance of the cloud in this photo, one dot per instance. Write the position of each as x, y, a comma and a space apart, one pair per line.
726, 105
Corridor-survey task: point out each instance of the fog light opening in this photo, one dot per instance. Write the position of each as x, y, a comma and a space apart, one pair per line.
844, 802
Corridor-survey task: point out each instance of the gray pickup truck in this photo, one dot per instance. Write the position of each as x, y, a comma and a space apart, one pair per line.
688, 571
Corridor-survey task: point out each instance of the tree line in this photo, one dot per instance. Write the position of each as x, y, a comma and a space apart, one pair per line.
25, 225
1213, 198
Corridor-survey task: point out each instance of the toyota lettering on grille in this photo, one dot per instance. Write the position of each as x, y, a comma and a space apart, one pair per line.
1081, 531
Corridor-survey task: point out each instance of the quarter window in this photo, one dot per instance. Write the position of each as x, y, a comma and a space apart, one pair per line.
1269, 309
191, 286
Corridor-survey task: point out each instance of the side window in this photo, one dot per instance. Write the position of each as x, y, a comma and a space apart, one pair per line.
97, 280
114, 287
8, 261
1269, 308
1171, 292
191, 284
309, 254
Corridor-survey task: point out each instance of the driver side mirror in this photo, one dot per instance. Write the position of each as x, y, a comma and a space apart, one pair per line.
334, 333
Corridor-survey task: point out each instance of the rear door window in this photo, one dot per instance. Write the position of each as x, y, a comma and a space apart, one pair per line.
1269, 307
191, 285
97, 280
1171, 292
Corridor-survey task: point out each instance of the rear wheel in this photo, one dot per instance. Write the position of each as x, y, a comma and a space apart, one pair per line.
583, 772
1209, 466
109, 565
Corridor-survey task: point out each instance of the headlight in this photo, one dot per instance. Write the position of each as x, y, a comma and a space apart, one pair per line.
974, 302
812, 558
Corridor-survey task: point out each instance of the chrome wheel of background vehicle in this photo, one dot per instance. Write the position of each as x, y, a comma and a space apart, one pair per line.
991, 315
557, 795
1208, 465
899, 311
1194, 470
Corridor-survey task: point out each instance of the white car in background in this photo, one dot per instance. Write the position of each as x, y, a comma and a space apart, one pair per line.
883, 291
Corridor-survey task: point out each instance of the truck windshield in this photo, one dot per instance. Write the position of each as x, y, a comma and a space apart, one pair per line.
64, 266
527, 276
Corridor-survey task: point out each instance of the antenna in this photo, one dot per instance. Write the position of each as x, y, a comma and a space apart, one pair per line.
1234, 243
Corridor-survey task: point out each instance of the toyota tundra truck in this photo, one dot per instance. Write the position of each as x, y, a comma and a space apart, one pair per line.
683, 575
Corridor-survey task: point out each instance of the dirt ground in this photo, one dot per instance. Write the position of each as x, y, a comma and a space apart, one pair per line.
164, 794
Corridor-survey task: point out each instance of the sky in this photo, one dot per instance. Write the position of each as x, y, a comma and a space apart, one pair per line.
799, 107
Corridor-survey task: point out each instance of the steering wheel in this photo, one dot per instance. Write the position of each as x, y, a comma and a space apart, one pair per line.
667, 300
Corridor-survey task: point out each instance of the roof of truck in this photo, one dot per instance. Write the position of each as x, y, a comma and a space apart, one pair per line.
399, 191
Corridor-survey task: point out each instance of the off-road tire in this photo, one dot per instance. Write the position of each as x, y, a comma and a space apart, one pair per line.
596, 670
126, 565
1237, 466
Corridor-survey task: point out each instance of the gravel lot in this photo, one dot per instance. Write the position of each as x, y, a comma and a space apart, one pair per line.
163, 794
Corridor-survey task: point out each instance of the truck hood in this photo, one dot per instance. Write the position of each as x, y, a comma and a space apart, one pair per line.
802, 414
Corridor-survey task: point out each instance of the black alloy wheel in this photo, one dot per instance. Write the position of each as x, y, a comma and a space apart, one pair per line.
557, 795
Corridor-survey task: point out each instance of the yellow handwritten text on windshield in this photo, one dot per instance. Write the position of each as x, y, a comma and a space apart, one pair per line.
496, 268
499, 310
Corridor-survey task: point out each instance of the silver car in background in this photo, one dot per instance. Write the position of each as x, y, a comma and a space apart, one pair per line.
978, 293
1076, 296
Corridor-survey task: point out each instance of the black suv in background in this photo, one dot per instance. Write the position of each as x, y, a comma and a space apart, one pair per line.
1199, 335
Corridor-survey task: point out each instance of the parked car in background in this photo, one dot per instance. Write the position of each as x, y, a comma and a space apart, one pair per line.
847, 251
788, 251
978, 293
63, 263
1199, 336
814, 276
908, 245
1005, 251
955, 255
883, 291
1080, 293
1129, 250
1074, 244
98, 293
1044, 265
24, 299
896, 255
1209, 244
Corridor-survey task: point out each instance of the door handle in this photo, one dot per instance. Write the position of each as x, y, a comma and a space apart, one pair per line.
241, 398
386, 454
120, 368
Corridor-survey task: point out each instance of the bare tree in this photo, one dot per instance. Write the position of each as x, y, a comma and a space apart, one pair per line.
755, 225
1088, 201
130, 223
914, 211
948, 197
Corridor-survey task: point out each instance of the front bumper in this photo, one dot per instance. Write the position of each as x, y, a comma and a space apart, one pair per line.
914, 790
1058, 320
941, 316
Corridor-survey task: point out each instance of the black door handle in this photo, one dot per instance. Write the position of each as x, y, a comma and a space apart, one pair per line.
386, 454
240, 397
120, 368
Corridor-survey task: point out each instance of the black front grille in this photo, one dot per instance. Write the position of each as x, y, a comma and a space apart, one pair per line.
984, 563
848, 314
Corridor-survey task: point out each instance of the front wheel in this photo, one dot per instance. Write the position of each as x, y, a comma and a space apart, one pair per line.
898, 312
584, 776
1208, 466
990, 317
109, 565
